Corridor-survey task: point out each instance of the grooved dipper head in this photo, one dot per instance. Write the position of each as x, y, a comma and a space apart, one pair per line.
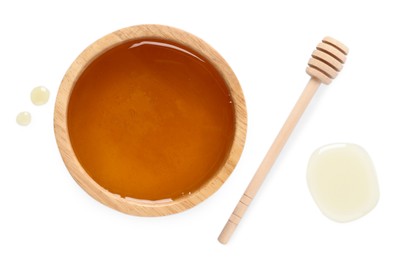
327, 60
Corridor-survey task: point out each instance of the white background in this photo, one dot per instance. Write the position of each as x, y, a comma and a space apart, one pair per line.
44, 214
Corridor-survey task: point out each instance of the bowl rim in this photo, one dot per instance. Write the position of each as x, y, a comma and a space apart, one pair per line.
129, 205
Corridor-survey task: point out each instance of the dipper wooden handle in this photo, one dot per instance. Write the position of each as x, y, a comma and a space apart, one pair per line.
327, 60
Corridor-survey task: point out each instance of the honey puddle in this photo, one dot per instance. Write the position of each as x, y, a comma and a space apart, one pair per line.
151, 120
342, 181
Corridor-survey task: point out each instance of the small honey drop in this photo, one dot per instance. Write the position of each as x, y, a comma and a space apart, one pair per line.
342, 181
40, 95
24, 118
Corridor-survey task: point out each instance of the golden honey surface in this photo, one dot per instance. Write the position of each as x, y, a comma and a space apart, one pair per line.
151, 119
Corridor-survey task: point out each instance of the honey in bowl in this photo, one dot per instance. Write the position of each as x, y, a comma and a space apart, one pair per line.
150, 119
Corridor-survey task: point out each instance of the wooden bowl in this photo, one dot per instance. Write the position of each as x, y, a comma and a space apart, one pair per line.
142, 149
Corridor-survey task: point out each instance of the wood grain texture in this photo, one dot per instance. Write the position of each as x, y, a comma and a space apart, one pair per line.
128, 205
323, 68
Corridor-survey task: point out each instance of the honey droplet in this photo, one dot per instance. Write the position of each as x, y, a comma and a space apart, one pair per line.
24, 118
342, 181
40, 95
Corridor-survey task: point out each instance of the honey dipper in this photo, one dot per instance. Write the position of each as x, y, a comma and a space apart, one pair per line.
326, 61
